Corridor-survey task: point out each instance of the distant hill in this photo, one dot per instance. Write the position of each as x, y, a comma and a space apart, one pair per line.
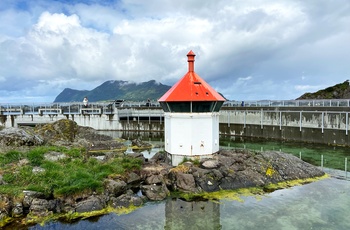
339, 91
113, 90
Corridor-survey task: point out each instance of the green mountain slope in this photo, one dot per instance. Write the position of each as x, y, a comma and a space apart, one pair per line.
113, 90
338, 91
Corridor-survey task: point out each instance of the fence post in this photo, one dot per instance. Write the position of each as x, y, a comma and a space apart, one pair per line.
228, 118
346, 167
261, 118
245, 119
322, 121
346, 123
280, 120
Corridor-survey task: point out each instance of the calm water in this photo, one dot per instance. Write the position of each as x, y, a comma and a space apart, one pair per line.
319, 205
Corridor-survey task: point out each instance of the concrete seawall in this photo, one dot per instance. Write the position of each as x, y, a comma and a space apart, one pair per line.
314, 125
327, 125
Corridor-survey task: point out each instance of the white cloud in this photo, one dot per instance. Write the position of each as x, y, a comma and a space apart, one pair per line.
245, 49
245, 78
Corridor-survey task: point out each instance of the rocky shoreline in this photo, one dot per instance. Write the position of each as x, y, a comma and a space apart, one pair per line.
155, 181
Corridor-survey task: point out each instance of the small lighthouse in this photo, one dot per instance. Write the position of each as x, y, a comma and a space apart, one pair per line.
191, 117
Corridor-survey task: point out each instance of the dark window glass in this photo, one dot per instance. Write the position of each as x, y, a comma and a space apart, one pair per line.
203, 106
164, 106
197, 107
178, 107
218, 106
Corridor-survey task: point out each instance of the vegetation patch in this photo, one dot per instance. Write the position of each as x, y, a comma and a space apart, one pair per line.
74, 174
180, 168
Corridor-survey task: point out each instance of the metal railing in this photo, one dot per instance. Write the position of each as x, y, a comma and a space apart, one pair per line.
71, 107
109, 107
290, 103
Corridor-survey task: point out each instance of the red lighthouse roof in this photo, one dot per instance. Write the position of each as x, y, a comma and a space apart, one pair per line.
191, 87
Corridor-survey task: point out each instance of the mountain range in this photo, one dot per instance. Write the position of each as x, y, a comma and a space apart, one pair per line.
116, 90
153, 90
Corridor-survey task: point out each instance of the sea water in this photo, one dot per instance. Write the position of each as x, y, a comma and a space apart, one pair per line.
323, 204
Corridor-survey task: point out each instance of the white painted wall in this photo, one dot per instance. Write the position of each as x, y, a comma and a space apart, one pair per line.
191, 134
99, 122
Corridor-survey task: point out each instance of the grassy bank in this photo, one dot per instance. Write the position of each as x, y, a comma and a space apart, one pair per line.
74, 173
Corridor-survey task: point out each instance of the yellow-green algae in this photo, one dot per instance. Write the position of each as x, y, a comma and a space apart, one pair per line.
71, 216
252, 191
5, 221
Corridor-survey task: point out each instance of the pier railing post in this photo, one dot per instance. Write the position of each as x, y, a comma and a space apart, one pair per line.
346, 167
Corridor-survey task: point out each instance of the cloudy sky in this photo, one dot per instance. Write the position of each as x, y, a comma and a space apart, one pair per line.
245, 49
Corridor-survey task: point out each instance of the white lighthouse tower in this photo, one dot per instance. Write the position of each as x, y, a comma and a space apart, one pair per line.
191, 117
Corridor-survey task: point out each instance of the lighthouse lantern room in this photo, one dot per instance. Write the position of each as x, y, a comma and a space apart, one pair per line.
191, 117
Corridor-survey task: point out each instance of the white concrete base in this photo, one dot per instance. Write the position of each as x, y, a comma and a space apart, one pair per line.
177, 159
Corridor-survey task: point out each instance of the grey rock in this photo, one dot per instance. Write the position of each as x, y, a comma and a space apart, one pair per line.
136, 201
155, 192
93, 203
40, 207
124, 200
154, 179
210, 164
133, 178
17, 209
19, 137
37, 170
185, 182
54, 156
29, 196
115, 188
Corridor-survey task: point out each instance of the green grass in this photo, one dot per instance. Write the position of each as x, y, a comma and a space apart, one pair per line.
73, 174
10, 157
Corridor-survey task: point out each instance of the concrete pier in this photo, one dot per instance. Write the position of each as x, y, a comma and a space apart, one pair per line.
315, 125
324, 122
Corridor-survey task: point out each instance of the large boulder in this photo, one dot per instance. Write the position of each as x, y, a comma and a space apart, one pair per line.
155, 192
17, 137
29, 196
40, 207
125, 200
115, 187
93, 203
63, 130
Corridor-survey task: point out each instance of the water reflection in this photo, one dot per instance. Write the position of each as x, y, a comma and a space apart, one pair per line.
324, 156
149, 153
181, 214
319, 205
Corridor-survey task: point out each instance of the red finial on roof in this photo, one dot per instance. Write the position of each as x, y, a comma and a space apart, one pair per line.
191, 87
190, 57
